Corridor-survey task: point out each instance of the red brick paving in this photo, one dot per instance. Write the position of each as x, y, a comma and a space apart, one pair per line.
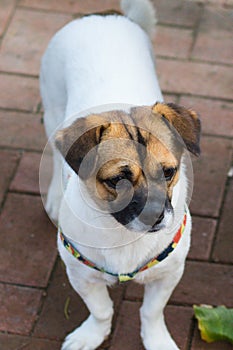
203, 283
222, 249
178, 13
13, 342
18, 309
203, 230
27, 176
21, 93
189, 77
212, 168
194, 63
216, 116
6, 9
27, 242
14, 131
72, 6
214, 42
166, 43
8, 161
27, 38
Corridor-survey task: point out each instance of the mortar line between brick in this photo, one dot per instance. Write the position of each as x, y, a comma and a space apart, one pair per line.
40, 288
19, 74
77, 14
224, 137
25, 192
50, 11
191, 334
8, 23
204, 97
116, 315
20, 149
219, 263
227, 184
192, 60
2, 204
20, 111
196, 30
43, 298
175, 26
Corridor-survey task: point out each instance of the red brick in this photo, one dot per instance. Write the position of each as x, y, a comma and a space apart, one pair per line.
214, 40
201, 79
179, 319
166, 43
18, 308
13, 342
170, 98
19, 92
216, 116
223, 244
202, 238
210, 173
199, 344
28, 242
127, 332
178, 12
8, 161
53, 323
205, 283
6, 9
27, 38
21, 130
72, 6
128, 326
27, 176
134, 291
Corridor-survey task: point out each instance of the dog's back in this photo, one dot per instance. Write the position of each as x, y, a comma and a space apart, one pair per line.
99, 60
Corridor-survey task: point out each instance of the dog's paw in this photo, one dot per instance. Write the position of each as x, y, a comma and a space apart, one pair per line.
158, 340
88, 336
162, 344
152, 345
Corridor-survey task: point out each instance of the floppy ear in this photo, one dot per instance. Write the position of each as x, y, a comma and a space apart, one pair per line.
75, 141
185, 122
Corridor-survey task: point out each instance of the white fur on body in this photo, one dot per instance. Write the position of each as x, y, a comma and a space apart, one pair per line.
97, 61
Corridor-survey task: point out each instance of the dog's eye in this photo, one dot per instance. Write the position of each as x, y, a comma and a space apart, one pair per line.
112, 182
169, 173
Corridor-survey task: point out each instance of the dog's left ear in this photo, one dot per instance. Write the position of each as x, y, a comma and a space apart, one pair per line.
185, 122
79, 141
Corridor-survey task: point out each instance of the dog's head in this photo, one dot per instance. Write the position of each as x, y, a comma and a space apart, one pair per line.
130, 162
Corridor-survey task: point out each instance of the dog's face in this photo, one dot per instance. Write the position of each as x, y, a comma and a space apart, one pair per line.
131, 162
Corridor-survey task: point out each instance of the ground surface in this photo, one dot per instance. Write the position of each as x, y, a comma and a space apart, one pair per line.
194, 63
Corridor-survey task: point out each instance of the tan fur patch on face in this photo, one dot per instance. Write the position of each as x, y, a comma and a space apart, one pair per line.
120, 141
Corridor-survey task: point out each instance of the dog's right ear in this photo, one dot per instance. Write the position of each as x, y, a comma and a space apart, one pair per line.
76, 141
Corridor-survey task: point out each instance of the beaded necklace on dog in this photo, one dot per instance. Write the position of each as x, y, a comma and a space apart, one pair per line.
123, 277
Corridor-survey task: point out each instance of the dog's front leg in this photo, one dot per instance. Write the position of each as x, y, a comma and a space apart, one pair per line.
154, 332
97, 326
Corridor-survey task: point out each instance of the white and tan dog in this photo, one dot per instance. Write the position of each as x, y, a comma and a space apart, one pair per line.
123, 213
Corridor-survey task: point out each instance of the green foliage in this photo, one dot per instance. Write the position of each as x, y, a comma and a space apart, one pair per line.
214, 323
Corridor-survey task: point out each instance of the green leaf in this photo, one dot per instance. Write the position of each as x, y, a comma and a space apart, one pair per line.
214, 323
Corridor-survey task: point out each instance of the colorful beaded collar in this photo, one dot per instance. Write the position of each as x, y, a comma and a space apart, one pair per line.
123, 277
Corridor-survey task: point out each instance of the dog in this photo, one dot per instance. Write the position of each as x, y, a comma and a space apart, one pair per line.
120, 189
